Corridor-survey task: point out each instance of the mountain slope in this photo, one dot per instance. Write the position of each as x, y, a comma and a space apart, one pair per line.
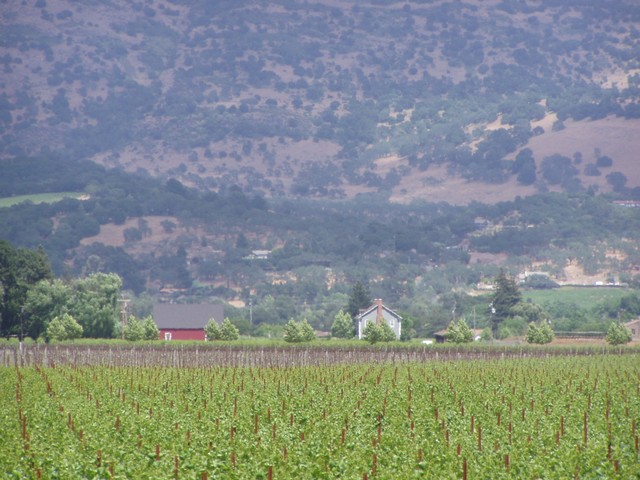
325, 98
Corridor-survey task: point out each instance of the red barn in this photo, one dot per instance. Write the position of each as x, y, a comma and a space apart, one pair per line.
185, 321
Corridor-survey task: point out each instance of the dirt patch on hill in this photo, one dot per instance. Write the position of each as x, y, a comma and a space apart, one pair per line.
575, 275
113, 235
614, 137
436, 184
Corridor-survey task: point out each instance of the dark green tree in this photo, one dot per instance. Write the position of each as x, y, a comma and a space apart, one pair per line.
506, 296
20, 269
94, 304
359, 299
45, 301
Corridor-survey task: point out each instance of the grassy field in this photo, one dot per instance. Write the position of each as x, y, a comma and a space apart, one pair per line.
38, 198
585, 297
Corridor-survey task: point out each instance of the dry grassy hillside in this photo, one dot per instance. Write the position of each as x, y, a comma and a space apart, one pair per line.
323, 98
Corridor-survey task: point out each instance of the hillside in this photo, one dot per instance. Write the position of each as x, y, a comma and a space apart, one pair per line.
418, 147
331, 98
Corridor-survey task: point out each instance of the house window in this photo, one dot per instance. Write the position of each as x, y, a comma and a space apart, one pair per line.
167, 335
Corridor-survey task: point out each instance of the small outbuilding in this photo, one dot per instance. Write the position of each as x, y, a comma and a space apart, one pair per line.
441, 335
178, 321
634, 327
377, 313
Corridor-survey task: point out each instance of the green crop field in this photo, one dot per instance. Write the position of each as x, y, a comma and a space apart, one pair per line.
500, 417
38, 198
585, 297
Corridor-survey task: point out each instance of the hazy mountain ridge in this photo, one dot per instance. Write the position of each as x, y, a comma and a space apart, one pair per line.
292, 98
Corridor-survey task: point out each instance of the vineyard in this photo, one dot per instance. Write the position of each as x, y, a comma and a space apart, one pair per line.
317, 415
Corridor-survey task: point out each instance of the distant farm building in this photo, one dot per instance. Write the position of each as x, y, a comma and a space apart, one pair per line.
441, 335
379, 313
634, 327
185, 321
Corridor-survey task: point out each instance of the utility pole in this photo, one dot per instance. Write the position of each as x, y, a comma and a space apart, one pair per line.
474, 318
123, 301
251, 313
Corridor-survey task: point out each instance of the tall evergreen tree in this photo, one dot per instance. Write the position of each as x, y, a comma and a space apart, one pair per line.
359, 299
506, 296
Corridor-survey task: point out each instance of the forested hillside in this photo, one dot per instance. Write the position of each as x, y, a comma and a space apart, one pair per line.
329, 99
278, 152
300, 259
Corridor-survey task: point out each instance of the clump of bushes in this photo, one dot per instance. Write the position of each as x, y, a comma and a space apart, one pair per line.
227, 331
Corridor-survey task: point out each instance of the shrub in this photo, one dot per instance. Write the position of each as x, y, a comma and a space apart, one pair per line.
296, 332
379, 332
342, 325
64, 327
134, 330
151, 331
540, 333
212, 330
228, 331
617, 334
459, 332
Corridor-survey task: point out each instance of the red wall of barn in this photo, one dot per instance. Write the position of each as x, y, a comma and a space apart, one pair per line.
183, 334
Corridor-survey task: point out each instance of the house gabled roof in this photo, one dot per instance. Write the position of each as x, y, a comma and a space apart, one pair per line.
373, 308
187, 316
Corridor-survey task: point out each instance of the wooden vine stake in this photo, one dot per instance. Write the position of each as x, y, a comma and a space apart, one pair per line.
464, 469
585, 429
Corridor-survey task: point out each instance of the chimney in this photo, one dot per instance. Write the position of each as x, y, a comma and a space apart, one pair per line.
379, 316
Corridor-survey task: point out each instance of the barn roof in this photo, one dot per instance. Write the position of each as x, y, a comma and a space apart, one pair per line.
187, 315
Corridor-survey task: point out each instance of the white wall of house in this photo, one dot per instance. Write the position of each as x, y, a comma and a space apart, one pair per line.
372, 316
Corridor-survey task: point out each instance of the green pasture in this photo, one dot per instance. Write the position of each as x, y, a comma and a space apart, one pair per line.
38, 198
584, 297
